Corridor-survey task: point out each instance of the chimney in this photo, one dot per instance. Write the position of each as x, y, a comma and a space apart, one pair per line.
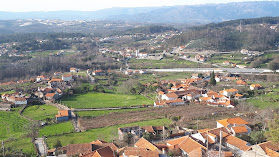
164, 150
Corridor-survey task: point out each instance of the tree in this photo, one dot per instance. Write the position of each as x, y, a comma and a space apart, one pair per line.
147, 136
273, 133
212, 79
57, 144
128, 138
257, 137
273, 66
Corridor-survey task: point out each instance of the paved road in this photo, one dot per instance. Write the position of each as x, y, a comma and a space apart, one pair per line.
39, 142
231, 70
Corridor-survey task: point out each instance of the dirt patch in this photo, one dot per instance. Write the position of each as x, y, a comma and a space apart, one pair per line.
187, 113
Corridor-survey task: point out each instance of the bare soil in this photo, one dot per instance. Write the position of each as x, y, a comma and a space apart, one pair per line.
187, 114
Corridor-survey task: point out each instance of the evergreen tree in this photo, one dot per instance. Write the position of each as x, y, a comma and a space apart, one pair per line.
212, 79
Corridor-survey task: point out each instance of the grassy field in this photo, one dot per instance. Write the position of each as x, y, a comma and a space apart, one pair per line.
104, 112
12, 125
107, 133
234, 58
56, 129
40, 112
266, 100
13, 130
19, 146
157, 64
100, 100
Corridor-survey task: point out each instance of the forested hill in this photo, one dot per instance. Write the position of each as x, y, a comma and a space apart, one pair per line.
253, 34
190, 14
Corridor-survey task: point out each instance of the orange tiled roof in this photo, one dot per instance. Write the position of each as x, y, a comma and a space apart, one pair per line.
68, 75
143, 143
270, 148
50, 94
236, 142
141, 153
76, 149
20, 99
205, 98
239, 95
240, 82
56, 80
176, 141
161, 92
240, 129
231, 90
255, 85
102, 152
171, 95
62, 113
237, 121
189, 145
98, 142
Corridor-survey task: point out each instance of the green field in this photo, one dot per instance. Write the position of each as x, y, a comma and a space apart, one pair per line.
40, 112
104, 112
13, 130
265, 100
19, 146
56, 129
106, 133
161, 64
12, 125
101, 100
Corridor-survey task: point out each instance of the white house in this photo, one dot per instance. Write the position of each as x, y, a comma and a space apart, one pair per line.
142, 55
73, 70
169, 96
229, 92
20, 101
67, 78
255, 86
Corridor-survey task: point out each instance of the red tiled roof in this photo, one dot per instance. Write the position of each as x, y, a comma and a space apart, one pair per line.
62, 113
240, 129
189, 145
143, 143
76, 149
270, 148
171, 95
236, 142
20, 99
237, 121
50, 94
102, 152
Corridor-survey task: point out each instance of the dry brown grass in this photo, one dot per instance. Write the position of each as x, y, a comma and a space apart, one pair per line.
187, 113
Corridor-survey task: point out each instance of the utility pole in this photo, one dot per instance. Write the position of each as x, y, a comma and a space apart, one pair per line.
197, 124
220, 145
3, 147
207, 152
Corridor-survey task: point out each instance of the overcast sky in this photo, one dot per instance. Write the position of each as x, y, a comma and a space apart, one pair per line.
91, 5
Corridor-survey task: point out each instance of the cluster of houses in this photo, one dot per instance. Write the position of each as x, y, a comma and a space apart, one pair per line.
51, 89
221, 141
228, 63
185, 91
130, 72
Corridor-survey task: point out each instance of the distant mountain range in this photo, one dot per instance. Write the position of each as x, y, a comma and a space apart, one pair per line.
191, 14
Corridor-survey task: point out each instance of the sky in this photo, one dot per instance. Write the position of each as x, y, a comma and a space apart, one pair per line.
92, 5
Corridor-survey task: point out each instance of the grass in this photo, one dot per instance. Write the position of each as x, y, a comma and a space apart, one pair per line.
101, 100
12, 125
19, 146
13, 130
40, 112
265, 101
104, 112
7, 92
106, 133
158, 64
56, 129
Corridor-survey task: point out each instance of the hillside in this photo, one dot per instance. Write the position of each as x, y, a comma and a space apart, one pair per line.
258, 34
190, 14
